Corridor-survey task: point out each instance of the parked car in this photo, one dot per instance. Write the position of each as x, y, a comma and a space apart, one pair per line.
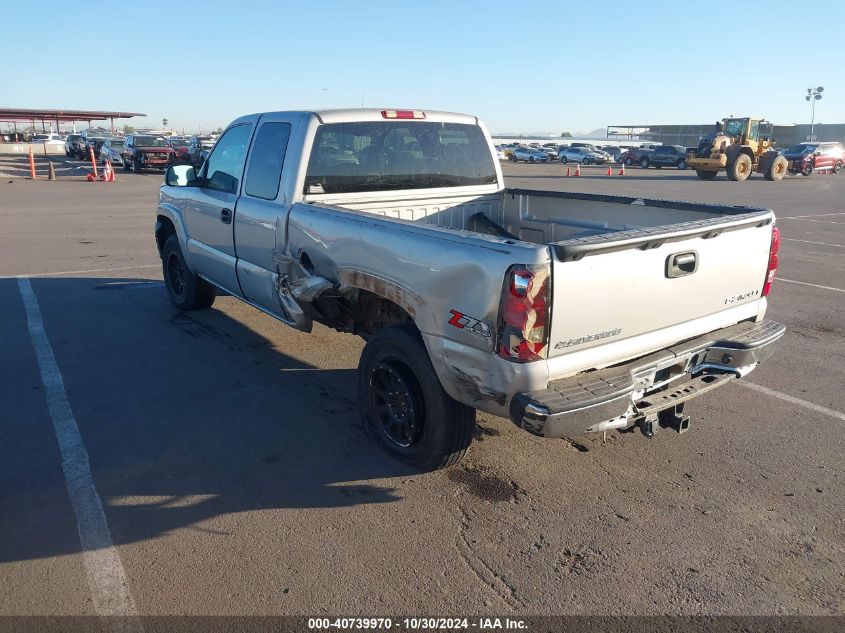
805, 158
147, 152
551, 151
49, 138
529, 155
180, 145
605, 155
538, 328
93, 138
581, 155
665, 156
634, 155
112, 150
198, 149
74, 146
615, 152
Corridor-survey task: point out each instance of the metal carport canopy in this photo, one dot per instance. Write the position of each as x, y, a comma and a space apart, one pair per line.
66, 116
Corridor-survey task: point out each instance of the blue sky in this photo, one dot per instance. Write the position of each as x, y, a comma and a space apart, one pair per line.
520, 66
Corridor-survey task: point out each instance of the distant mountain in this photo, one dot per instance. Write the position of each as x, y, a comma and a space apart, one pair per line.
597, 133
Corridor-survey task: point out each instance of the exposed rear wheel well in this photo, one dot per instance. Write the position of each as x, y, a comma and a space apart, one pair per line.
360, 312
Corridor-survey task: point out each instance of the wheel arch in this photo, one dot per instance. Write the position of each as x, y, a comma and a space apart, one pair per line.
169, 222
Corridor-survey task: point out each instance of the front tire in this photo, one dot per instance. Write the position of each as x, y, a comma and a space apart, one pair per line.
837, 167
644, 163
136, 166
682, 164
740, 168
187, 290
773, 166
629, 161
808, 170
403, 405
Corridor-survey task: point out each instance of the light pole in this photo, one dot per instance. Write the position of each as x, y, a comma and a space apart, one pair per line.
813, 95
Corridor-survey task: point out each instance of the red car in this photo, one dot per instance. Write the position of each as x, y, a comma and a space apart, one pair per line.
146, 152
805, 158
634, 155
180, 146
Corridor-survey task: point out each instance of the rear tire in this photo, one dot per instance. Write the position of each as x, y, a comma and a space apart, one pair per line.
807, 171
187, 290
404, 408
740, 168
837, 167
706, 175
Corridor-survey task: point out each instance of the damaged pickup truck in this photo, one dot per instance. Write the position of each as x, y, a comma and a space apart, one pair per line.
568, 313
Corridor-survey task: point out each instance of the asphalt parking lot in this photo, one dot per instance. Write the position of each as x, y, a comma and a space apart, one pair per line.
235, 478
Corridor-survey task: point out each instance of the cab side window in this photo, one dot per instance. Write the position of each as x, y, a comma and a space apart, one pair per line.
224, 168
265, 162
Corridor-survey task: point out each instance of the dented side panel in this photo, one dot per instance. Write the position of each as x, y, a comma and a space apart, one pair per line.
449, 282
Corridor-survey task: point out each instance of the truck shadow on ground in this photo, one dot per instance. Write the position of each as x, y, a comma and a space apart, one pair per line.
185, 416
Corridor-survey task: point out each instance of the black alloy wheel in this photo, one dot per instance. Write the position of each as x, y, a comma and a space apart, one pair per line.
396, 403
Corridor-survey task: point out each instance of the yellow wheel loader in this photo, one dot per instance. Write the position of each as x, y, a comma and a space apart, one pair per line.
740, 146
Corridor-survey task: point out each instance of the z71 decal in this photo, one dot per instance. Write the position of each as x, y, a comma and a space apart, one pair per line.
464, 322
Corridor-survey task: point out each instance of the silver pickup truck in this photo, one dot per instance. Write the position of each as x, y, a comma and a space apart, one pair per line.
567, 313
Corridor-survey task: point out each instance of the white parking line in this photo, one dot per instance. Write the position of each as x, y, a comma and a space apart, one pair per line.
106, 578
791, 239
80, 272
804, 283
792, 399
819, 221
818, 215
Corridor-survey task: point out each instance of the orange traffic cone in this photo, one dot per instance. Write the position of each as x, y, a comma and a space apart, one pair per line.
622, 170
609, 171
577, 169
567, 172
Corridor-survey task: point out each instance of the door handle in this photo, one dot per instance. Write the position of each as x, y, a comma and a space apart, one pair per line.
226, 216
681, 264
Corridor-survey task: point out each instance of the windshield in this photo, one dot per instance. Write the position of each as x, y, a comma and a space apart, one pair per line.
800, 149
734, 127
179, 143
390, 155
116, 142
149, 141
40, 137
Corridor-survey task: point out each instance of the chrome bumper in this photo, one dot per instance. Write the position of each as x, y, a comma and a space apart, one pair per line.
618, 396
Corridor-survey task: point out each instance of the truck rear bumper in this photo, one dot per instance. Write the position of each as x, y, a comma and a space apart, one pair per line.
617, 396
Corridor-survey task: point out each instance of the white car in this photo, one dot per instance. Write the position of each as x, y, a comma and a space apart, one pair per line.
49, 139
112, 150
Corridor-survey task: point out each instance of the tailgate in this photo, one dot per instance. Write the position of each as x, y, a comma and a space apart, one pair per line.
641, 286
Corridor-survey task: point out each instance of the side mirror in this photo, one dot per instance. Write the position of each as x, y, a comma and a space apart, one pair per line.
180, 176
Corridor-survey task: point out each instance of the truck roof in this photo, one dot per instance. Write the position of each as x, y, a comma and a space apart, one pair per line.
375, 114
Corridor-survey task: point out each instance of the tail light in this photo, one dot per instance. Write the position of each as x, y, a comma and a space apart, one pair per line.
773, 261
524, 314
